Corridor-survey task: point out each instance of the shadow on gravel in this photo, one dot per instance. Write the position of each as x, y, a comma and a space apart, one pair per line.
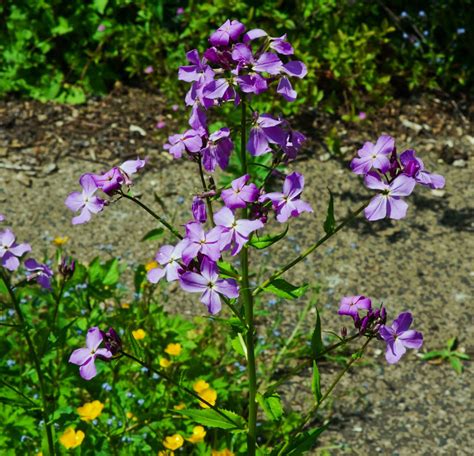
462, 220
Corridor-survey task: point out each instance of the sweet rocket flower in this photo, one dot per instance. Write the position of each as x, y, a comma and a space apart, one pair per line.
279, 44
10, 251
252, 83
285, 89
269, 63
265, 131
198, 120
288, 204
207, 283
198, 241
294, 142
2, 217
112, 341
399, 337
199, 210
235, 232
414, 167
85, 201
197, 69
190, 141
240, 194
40, 272
388, 203
85, 357
226, 33
374, 156
350, 305
169, 257
217, 151
110, 181
131, 167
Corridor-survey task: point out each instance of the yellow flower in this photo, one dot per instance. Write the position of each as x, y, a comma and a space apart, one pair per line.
224, 452
180, 406
165, 362
166, 453
200, 385
139, 334
173, 442
208, 395
173, 349
131, 416
60, 240
40, 453
151, 265
71, 438
125, 305
198, 434
90, 410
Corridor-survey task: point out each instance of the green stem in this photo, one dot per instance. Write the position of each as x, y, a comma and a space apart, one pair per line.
208, 199
37, 364
153, 214
57, 301
308, 251
248, 307
184, 388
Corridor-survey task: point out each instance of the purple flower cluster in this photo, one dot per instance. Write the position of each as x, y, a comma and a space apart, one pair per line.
394, 176
372, 323
236, 65
87, 202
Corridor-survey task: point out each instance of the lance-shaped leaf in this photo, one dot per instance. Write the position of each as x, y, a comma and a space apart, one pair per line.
271, 405
263, 242
285, 290
330, 222
316, 383
211, 418
317, 346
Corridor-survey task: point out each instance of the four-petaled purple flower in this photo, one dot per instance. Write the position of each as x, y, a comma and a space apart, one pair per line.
169, 257
374, 156
198, 241
399, 337
288, 204
10, 251
207, 283
85, 201
40, 272
190, 141
229, 31
217, 151
388, 203
414, 167
236, 232
198, 209
266, 131
240, 194
350, 305
85, 357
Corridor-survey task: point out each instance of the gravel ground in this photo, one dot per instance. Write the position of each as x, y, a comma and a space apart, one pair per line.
422, 263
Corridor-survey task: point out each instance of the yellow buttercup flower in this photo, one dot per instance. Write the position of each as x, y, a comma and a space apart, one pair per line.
166, 453
165, 362
151, 265
90, 410
173, 349
180, 406
71, 438
224, 452
200, 385
198, 434
173, 442
60, 240
125, 305
138, 334
209, 395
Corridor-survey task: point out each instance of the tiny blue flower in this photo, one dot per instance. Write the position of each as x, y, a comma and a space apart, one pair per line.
94, 422
110, 422
144, 369
141, 402
405, 36
460, 31
129, 394
155, 376
106, 387
180, 200
404, 14
426, 33
421, 13
11, 312
10, 362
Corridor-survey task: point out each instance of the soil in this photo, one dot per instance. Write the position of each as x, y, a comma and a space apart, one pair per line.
423, 263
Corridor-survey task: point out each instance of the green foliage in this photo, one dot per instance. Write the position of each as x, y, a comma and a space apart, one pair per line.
285, 290
449, 354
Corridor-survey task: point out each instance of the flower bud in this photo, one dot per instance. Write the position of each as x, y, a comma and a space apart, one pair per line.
66, 267
343, 332
199, 210
112, 341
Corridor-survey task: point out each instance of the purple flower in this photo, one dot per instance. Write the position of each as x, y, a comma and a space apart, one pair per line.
268, 63
112, 341
109, 182
207, 283
388, 203
288, 204
235, 232
131, 167
374, 156
285, 89
252, 83
85, 201
362, 115
66, 267
198, 120
217, 151
414, 167
198, 209
2, 217
169, 257
85, 357
399, 337
281, 45
198, 241
350, 305
10, 252
101, 28
160, 124
190, 141
179, 11
240, 194
198, 69
294, 142
40, 272
266, 131
148, 70
226, 33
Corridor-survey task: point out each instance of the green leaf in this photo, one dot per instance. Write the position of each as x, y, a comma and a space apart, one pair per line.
153, 235
100, 5
239, 346
434, 354
316, 383
113, 274
227, 270
452, 343
317, 345
456, 364
3, 287
304, 442
62, 27
286, 290
330, 222
271, 405
209, 417
263, 242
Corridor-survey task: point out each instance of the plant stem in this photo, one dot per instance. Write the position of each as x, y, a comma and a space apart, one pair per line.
184, 388
58, 300
37, 364
153, 214
308, 251
248, 307
208, 199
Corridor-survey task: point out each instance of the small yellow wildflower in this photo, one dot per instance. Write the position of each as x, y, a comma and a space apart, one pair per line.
131, 416
180, 406
151, 265
200, 385
40, 453
224, 452
60, 240
198, 434
165, 362
173, 349
139, 334
173, 442
90, 410
125, 305
209, 395
71, 438
166, 453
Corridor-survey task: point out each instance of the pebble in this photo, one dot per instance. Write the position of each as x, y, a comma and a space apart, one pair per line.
459, 163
